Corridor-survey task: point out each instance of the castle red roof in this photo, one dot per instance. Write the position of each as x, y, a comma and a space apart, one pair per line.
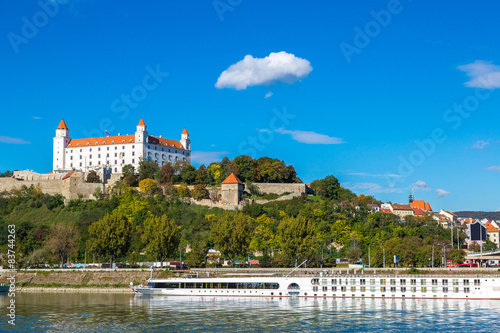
62, 125
141, 123
185, 131
232, 179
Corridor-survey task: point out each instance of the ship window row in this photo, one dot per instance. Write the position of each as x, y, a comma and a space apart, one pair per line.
393, 282
223, 285
394, 289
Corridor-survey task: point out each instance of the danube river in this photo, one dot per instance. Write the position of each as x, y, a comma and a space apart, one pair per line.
101, 312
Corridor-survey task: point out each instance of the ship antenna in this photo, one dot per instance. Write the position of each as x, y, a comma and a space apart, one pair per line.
296, 268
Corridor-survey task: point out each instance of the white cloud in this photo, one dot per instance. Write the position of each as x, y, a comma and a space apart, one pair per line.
480, 144
37, 118
269, 94
381, 175
420, 185
277, 67
264, 130
207, 157
370, 188
441, 193
14, 141
482, 74
493, 168
311, 137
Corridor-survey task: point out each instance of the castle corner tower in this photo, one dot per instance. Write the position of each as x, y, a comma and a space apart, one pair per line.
185, 142
61, 140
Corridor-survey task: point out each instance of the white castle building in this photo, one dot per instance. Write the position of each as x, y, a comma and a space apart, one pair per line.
109, 154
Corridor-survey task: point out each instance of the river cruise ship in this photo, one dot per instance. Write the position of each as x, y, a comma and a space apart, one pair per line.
330, 285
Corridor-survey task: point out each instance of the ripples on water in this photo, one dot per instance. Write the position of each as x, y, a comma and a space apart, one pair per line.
74, 312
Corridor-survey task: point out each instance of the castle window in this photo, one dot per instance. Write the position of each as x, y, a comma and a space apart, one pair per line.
116, 148
90, 156
71, 165
130, 140
113, 141
88, 143
123, 141
71, 157
90, 149
80, 156
80, 149
116, 169
99, 156
96, 143
116, 154
133, 146
162, 149
133, 153
175, 150
123, 147
90, 163
123, 162
80, 163
133, 160
99, 162
107, 147
107, 155
99, 149
116, 162
78, 144
105, 143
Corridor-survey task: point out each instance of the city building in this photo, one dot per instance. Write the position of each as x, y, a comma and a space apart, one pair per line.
110, 153
402, 210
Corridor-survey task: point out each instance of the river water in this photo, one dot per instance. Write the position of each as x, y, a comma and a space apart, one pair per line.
102, 312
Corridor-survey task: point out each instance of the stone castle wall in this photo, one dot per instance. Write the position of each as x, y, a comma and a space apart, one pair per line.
280, 188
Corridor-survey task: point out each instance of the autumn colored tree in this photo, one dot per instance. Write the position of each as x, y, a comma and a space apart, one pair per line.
199, 192
167, 173
62, 240
148, 186
183, 190
93, 177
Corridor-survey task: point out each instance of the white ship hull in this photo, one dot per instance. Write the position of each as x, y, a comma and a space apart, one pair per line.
367, 286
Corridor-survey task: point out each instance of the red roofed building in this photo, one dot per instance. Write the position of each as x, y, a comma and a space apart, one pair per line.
232, 190
452, 217
421, 204
111, 153
402, 210
417, 212
493, 233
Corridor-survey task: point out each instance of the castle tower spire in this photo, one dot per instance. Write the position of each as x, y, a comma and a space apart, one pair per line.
185, 142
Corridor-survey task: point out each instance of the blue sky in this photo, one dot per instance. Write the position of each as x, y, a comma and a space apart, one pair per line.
381, 94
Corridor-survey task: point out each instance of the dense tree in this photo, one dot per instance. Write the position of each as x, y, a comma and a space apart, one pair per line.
296, 238
162, 236
231, 233
199, 192
188, 174
202, 175
148, 169
93, 177
110, 236
148, 186
128, 170
167, 173
6, 174
183, 190
62, 240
